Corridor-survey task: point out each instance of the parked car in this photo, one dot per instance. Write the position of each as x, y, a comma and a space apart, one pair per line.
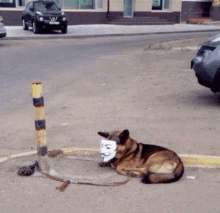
44, 15
2, 29
206, 64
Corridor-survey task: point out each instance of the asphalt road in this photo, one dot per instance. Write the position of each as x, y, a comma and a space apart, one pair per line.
196, 192
106, 84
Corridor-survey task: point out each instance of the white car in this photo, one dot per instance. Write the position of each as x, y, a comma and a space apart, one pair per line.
2, 29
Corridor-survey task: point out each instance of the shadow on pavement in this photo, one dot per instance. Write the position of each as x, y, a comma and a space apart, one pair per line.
47, 32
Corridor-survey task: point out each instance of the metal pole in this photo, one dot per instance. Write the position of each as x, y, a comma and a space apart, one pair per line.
40, 126
108, 15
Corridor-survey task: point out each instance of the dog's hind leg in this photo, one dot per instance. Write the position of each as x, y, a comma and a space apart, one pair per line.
151, 177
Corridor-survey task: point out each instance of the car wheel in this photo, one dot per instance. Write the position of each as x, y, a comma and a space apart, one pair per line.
25, 27
35, 28
64, 30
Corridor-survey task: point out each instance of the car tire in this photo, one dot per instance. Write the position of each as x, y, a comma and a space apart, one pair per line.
25, 27
64, 30
35, 28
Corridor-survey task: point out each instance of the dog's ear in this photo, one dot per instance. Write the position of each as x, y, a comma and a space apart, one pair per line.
104, 134
124, 136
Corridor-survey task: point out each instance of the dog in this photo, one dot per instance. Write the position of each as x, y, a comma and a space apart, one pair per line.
154, 164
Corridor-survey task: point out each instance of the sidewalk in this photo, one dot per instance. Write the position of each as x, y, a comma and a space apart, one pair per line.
84, 31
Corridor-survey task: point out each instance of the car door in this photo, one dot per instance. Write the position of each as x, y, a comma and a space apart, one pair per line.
25, 12
30, 13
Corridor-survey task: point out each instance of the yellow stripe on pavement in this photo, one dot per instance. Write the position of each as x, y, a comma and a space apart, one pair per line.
191, 160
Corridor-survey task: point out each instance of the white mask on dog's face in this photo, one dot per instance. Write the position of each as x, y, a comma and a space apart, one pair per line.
107, 149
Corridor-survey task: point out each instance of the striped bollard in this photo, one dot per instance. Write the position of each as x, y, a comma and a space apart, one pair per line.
38, 102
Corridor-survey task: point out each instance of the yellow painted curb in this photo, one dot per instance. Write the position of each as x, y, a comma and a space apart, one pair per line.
84, 151
17, 155
190, 160
200, 160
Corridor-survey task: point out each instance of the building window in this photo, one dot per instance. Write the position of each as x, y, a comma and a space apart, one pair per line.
160, 4
79, 4
99, 4
6, 1
71, 4
87, 4
59, 3
166, 4
21, 3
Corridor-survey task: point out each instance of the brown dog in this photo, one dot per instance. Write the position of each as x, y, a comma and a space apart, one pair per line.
154, 164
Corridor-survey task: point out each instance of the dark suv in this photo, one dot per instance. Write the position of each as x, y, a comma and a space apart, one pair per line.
206, 64
44, 15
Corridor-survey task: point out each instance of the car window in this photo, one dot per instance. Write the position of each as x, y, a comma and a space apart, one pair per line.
30, 5
27, 7
46, 6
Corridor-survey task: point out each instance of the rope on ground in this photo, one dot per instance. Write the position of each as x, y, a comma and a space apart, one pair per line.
29, 170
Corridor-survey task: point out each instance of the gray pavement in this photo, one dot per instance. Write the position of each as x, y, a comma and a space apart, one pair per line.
83, 31
196, 192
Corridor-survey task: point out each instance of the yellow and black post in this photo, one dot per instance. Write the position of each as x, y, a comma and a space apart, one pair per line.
40, 126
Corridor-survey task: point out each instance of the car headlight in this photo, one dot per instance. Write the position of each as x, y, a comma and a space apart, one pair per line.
216, 39
64, 19
39, 13
198, 59
41, 18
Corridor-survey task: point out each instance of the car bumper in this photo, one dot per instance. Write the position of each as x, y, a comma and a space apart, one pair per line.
202, 72
48, 25
2, 31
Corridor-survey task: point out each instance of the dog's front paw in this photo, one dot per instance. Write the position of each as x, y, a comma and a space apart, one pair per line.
131, 173
104, 164
101, 164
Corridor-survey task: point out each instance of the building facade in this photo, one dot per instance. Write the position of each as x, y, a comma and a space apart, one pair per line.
99, 11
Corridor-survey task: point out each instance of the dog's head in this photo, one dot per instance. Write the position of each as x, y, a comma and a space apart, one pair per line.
122, 140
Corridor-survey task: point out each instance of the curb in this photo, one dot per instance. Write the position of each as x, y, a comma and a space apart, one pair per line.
206, 161
189, 160
103, 35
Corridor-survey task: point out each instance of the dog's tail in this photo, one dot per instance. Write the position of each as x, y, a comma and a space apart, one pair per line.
164, 177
